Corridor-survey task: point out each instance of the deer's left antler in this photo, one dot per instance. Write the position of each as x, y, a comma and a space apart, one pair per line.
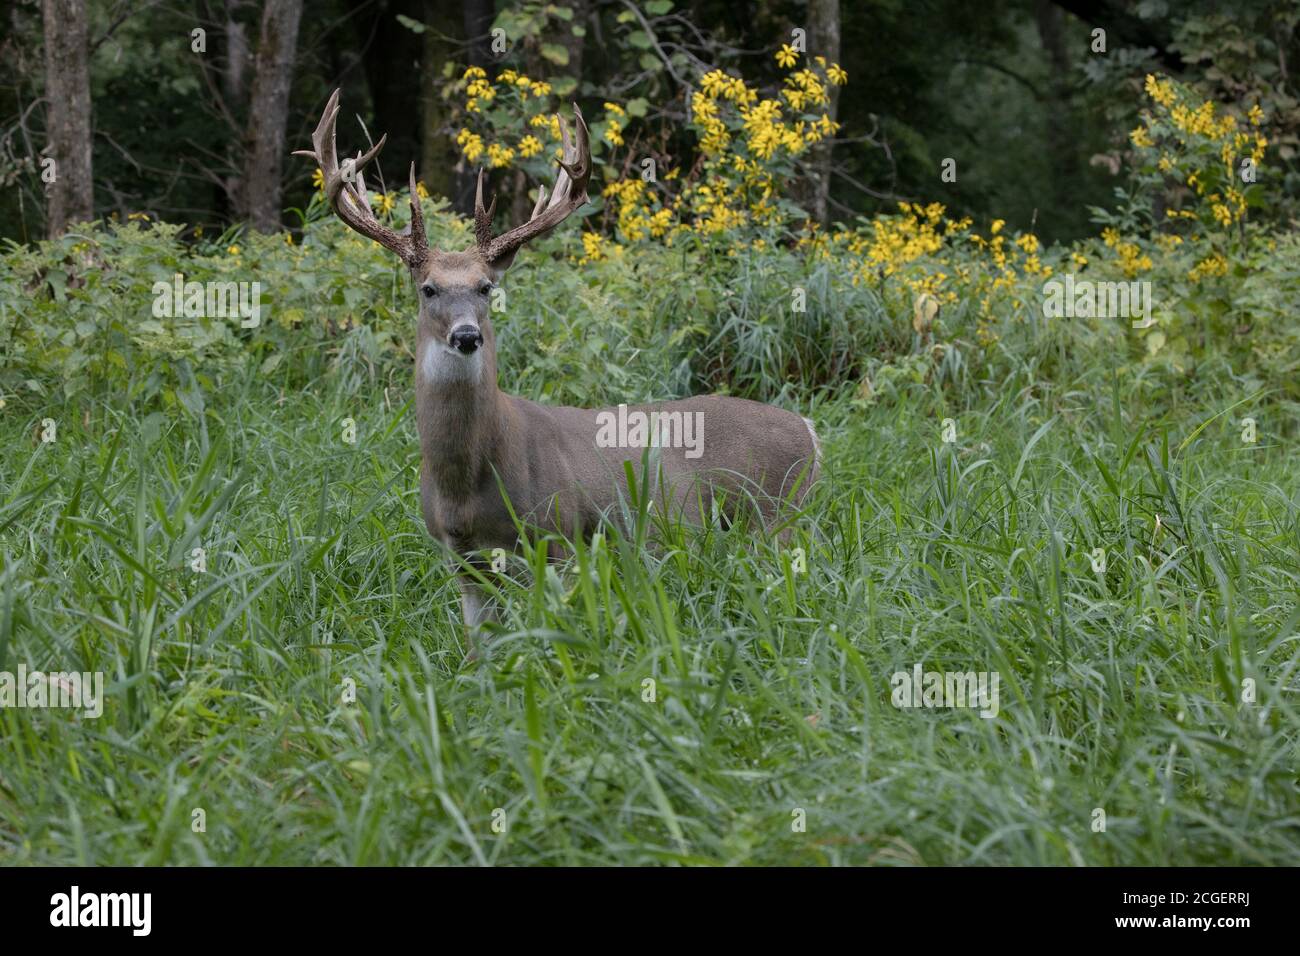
569, 194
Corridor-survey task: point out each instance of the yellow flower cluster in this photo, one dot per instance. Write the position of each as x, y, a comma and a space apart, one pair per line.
471, 144
614, 118
766, 132
1228, 207
1212, 265
1141, 138
745, 139
523, 85
478, 89
637, 217
1162, 91
898, 240
593, 247
479, 92
551, 122
1129, 255
1192, 137
1202, 121
907, 248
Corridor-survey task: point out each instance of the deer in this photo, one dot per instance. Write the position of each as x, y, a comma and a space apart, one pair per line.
485, 452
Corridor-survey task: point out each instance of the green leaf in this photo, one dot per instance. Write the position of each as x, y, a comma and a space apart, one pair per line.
637, 107
555, 53
58, 280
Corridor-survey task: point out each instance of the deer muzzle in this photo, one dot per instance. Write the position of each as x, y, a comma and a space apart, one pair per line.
465, 339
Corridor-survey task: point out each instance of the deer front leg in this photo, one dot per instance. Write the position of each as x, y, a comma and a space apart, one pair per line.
474, 605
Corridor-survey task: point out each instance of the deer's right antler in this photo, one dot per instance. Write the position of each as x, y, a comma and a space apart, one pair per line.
346, 191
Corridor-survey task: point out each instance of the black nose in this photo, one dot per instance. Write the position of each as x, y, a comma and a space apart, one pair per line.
466, 338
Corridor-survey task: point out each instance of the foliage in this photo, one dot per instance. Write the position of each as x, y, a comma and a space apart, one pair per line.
746, 144
731, 302
179, 431
225, 690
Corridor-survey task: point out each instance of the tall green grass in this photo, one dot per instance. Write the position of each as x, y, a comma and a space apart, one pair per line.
228, 689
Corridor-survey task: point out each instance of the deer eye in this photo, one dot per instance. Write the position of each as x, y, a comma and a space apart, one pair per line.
485, 288
429, 291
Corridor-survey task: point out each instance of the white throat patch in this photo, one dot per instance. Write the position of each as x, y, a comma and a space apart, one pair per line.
441, 364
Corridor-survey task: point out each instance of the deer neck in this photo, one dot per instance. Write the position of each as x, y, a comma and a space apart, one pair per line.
459, 414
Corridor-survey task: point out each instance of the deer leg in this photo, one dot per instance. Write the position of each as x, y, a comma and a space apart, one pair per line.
476, 604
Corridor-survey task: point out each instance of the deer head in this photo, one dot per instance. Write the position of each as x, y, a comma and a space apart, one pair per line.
454, 287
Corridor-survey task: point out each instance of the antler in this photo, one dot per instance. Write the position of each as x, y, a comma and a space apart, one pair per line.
346, 191
569, 194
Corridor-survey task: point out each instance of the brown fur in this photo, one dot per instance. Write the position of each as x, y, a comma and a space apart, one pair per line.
475, 438
473, 435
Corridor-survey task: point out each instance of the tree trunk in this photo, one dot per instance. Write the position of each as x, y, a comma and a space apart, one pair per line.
574, 44
479, 15
1061, 150
235, 67
438, 151
268, 114
823, 40
67, 91
391, 55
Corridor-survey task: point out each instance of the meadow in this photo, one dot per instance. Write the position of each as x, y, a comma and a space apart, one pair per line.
308, 691
223, 519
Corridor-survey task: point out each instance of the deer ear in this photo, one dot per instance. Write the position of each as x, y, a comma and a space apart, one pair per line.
501, 263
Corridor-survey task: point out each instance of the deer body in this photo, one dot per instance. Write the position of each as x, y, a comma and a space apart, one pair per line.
556, 476
556, 464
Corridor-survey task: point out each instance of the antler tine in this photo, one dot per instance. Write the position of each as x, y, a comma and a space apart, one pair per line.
355, 210
483, 217
541, 201
358, 183
569, 194
417, 214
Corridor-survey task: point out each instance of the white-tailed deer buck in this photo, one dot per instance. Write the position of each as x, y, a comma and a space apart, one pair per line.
562, 468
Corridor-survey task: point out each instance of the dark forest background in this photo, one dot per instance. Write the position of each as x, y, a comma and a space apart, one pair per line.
1017, 89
